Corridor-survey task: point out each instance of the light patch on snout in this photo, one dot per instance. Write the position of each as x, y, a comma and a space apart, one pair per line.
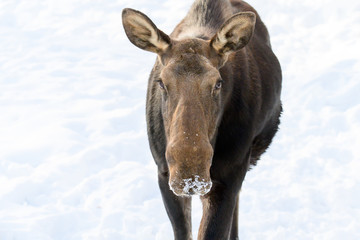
191, 186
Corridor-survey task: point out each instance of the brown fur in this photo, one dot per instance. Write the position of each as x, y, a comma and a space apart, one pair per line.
213, 107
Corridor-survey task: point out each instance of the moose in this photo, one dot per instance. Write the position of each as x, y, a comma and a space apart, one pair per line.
213, 107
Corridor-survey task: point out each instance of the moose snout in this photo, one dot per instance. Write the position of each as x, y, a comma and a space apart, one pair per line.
189, 168
190, 186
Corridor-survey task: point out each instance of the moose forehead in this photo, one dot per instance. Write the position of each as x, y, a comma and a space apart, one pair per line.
189, 58
195, 46
189, 66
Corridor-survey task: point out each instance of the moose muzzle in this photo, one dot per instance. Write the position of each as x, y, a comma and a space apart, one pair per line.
189, 166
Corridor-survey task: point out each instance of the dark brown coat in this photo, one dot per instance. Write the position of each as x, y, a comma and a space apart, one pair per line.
213, 107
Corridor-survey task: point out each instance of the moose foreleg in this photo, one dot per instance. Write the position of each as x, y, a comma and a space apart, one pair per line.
218, 211
177, 208
234, 235
220, 205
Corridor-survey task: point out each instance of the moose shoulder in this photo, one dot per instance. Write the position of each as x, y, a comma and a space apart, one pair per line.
213, 107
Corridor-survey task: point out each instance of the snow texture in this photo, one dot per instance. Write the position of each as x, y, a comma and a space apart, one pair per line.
191, 186
74, 158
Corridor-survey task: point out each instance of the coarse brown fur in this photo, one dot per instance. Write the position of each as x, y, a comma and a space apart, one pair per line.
213, 107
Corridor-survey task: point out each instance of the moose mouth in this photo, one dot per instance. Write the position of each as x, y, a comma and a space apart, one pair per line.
190, 186
189, 172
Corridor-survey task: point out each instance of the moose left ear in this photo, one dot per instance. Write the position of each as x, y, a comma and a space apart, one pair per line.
234, 34
143, 33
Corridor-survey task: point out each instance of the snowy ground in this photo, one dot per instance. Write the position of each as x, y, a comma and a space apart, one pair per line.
74, 158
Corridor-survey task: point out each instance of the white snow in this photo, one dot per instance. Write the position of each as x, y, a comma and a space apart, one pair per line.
194, 185
74, 157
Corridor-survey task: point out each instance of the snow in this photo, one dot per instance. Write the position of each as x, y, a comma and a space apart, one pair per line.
190, 186
74, 157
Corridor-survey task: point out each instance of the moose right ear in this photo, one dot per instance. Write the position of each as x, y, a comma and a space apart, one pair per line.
143, 33
235, 33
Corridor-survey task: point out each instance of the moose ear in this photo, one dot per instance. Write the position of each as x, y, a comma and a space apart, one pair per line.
143, 33
234, 34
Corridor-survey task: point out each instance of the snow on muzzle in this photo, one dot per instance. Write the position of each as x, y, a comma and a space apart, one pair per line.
190, 186
189, 166
191, 177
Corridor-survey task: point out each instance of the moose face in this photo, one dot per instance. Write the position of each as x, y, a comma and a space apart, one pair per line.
192, 93
191, 89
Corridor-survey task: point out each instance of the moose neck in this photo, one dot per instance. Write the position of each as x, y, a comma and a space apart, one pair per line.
209, 13
204, 18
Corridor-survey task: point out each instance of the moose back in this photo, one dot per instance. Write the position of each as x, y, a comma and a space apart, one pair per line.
213, 107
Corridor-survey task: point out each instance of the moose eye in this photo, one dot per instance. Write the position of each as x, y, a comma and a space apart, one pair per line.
218, 84
161, 84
